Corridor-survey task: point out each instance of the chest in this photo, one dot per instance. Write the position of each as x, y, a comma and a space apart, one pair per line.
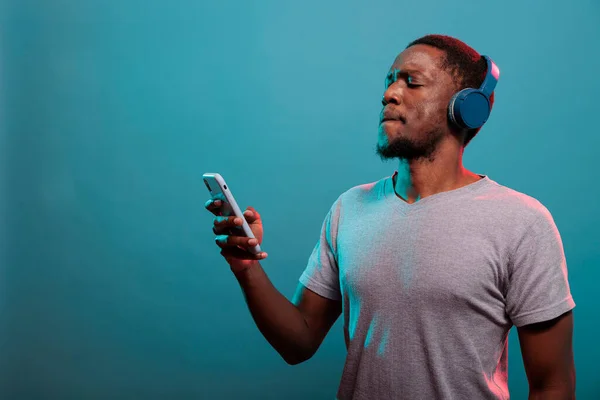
421, 260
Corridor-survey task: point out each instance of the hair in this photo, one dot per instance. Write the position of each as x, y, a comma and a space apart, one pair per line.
465, 65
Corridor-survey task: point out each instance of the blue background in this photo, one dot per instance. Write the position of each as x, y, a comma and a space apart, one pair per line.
110, 111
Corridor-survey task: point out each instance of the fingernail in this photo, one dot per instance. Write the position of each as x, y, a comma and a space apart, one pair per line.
217, 203
248, 213
252, 242
237, 221
263, 255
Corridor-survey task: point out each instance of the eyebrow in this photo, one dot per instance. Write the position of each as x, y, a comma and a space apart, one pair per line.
406, 71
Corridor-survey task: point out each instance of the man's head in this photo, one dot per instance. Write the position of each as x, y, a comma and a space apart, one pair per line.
419, 87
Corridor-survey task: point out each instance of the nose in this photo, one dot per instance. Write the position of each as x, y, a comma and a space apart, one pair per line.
392, 95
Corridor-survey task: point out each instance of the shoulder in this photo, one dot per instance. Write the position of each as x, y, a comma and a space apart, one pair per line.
515, 204
357, 197
365, 192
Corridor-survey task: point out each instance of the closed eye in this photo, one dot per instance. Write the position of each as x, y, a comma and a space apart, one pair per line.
395, 75
410, 82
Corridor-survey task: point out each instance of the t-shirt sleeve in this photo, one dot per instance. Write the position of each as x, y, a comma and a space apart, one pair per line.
321, 274
538, 282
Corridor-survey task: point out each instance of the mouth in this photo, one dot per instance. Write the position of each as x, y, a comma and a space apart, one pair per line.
395, 119
390, 115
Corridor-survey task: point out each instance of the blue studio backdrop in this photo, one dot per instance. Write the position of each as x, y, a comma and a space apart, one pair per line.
111, 285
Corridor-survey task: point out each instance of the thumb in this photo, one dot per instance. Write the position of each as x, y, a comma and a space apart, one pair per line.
251, 215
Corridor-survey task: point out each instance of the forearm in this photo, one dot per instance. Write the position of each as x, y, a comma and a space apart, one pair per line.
552, 394
279, 320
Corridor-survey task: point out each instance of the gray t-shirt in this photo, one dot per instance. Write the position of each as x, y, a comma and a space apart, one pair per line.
430, 289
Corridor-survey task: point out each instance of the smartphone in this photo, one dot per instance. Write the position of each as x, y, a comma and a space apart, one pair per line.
218, 189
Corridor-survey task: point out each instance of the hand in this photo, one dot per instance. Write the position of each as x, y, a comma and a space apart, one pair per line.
231, 239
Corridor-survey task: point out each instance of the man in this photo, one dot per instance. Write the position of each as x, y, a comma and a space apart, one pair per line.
429, 267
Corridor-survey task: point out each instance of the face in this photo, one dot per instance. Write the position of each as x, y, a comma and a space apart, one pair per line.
414, 120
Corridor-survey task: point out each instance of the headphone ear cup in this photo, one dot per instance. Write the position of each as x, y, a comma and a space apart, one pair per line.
469, 109
454, 109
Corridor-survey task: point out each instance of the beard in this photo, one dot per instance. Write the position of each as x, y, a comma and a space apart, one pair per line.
407, 149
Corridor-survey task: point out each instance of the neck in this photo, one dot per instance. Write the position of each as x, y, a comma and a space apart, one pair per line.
418, 179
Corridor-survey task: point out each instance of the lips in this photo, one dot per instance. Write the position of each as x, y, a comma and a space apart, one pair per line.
392, 119
395, 118
389, 115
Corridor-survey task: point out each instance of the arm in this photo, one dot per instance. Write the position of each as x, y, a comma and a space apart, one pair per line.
295, 330
548, 358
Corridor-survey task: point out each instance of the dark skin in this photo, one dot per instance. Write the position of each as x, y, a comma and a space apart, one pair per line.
415, 107
295, 329
547, 352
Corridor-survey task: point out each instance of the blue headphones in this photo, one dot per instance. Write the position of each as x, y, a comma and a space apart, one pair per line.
470, 108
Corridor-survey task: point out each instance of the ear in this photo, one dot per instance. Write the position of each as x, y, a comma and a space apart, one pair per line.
461, 135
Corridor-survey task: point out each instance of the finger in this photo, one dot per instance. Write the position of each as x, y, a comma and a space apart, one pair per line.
227, 222
236, 231
214, 206
251, 215
223, 231
213, 203
225, 241
239, 254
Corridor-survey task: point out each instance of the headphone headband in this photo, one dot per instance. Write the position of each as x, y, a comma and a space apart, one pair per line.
491, 77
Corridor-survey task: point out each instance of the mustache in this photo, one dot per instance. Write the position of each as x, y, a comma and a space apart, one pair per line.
388, 114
